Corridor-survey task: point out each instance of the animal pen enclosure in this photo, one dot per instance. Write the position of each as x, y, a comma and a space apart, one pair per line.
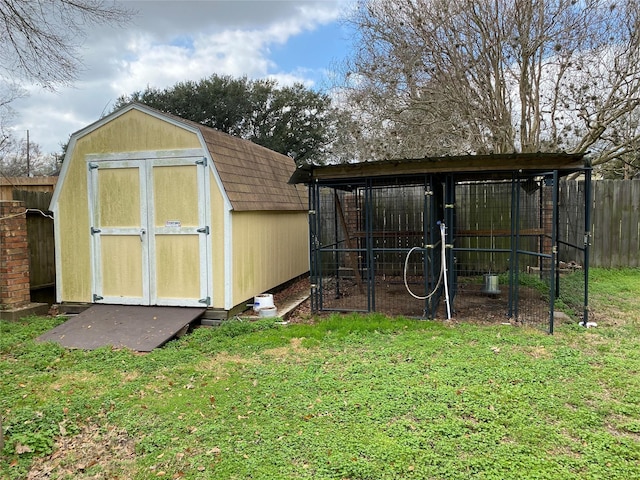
477, 237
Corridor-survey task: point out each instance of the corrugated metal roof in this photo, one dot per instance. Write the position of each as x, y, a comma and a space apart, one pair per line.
475, 166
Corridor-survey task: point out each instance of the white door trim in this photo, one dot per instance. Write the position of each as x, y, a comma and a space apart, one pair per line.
148, 230
98, 231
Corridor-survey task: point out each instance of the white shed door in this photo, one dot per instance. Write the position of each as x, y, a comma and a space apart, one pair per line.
149, 232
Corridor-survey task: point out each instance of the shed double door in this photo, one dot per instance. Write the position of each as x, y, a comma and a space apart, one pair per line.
149, 232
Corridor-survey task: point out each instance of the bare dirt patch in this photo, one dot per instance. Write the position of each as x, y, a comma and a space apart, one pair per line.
471, 306
294, 351
96, 452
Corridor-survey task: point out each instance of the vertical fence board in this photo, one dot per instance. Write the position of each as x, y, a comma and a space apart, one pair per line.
634, 222
40, 238
615, 224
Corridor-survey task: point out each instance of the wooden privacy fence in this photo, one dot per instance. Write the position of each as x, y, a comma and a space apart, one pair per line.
615, 221
40, 238
616, 224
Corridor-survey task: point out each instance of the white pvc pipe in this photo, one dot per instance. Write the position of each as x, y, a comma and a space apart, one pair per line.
444, 269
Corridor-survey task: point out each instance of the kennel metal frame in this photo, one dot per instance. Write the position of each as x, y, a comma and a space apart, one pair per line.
439, 177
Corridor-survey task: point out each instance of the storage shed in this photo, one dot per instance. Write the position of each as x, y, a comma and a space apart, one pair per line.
152, 209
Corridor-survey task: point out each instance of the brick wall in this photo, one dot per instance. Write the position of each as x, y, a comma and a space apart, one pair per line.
14, 255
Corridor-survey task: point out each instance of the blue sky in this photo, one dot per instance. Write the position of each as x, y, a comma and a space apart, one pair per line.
171, 41
314, 51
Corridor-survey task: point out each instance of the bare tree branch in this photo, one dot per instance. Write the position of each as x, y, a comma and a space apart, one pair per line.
460, 76
39, 39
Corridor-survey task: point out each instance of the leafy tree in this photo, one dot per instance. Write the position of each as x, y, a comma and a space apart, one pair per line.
457, 76
294, 120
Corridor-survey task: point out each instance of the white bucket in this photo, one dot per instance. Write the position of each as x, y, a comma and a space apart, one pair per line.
264, 300
268, 312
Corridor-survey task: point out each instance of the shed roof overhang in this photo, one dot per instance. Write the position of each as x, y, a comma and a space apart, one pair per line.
492, 166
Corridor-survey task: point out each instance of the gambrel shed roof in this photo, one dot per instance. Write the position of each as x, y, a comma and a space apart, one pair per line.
254, 177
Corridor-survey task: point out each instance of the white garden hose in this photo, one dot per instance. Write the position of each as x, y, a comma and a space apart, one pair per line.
443, 272
406, 284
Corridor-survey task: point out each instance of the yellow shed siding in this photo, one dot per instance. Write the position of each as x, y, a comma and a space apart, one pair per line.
73, 243
269, 248
133, 131
136, 131
217, 212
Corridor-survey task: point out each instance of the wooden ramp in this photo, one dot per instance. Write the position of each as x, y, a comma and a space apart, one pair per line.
122, 326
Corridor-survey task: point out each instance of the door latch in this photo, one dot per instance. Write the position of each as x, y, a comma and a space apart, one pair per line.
142, 232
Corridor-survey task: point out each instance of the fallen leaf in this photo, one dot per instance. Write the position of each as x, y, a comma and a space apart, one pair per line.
20, 449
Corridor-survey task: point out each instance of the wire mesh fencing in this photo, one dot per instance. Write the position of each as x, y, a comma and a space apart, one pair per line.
432, 246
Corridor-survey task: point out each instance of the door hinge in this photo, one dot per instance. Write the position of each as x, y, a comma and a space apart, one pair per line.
202, 162
93, 165
206, 301
95, 230
204, 230
97, 297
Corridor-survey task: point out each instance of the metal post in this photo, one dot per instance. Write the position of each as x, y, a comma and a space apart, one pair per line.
434, 234
314, 264
426, 228
556, 241
370, 261
512, 242
449, 212
554, 251
587, 241
515, 214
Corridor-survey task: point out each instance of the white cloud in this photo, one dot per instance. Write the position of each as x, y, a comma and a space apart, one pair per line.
172, 41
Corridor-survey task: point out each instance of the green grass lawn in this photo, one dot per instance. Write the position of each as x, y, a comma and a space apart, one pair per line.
349, 397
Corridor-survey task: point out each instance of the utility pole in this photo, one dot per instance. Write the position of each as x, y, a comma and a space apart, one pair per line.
28, 160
